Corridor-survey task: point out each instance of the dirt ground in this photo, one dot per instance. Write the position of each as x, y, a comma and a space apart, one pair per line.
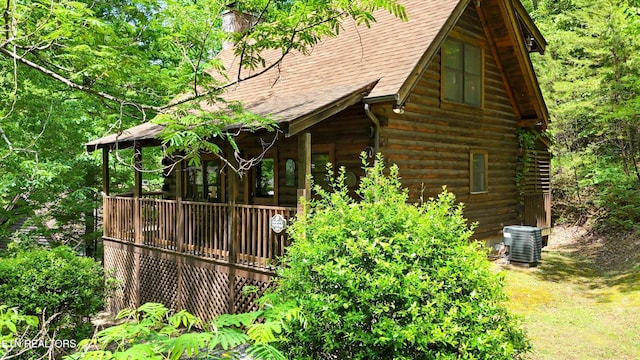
606, 252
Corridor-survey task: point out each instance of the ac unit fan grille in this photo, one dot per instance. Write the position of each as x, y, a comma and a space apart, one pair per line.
525, 243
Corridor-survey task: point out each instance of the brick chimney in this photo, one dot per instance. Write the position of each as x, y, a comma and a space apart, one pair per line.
235, 21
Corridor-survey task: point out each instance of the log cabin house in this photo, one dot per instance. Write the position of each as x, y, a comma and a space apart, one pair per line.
447, 96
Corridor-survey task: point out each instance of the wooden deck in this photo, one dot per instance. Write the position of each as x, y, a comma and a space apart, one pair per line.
192, 255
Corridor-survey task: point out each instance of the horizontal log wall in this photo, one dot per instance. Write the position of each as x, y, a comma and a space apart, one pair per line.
431, 142
349, 132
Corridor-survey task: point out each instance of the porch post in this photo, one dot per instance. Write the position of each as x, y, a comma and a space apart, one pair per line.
137, 221
137, 192
106, 180
179, 172
180, 291
304, 168
232, 223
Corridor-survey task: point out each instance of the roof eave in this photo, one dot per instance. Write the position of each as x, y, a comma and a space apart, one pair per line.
144, 135
511, 8
123, 144
304, 122
541, 42
381, 98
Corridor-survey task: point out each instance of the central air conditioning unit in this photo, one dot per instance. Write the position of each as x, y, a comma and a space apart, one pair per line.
524, 242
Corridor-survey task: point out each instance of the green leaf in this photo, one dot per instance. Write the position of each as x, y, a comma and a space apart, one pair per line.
189, 344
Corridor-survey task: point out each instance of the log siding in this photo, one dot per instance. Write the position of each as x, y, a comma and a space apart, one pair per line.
431, 143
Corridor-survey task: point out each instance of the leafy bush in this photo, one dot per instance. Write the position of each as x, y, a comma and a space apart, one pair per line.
13, 325
153, 332
380, 278
55, 281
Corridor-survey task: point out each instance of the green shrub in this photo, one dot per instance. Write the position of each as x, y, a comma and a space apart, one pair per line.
382, 279
154, 332
55, 281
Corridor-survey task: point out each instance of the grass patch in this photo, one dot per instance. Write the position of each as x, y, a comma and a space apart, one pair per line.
573, 308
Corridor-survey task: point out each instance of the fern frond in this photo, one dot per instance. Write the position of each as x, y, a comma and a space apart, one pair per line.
153, 311
265, 352
264, 333
185, 319
138, 351
190, 344
237, 320
97, 355
228, 338
127, 313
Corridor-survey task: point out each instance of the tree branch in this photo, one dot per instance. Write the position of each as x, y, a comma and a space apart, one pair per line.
73, 85
197, 94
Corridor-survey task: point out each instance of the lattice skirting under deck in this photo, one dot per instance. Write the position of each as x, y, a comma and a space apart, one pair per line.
179, 281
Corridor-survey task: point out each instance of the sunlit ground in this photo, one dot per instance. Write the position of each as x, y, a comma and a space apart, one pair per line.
573, 307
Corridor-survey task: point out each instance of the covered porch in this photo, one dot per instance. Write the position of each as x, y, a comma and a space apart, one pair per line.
205, 210
201, 241
209, 233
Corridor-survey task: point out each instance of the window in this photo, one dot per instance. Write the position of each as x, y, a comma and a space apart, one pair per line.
194, 183
290, 172
203, 182
462, 73
321, 155
479, 171
319, 163
265, 178
212, 180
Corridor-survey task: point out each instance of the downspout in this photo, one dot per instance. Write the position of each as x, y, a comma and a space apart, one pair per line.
376, 129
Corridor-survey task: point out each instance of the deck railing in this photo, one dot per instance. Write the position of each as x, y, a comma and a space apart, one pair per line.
225, 232
118, 218
253, 223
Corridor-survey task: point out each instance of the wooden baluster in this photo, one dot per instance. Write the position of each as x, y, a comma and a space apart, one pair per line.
232, 243
179, 234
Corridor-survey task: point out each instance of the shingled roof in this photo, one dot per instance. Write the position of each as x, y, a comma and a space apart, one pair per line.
375, 64
386, 53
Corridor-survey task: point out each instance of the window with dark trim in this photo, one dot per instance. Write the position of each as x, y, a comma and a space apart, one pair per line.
265, 178
462, 67
321, 155
319, 163
204, 182
212, 180
290, 172
478, 166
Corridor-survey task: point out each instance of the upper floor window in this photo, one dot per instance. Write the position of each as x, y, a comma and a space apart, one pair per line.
462, 73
